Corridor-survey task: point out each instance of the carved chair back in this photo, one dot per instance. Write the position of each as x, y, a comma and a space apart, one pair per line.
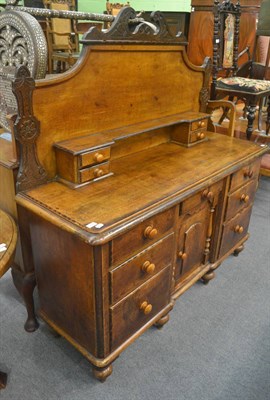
226, 39
22, 43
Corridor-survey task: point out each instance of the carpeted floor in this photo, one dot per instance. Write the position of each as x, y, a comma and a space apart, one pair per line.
215, 347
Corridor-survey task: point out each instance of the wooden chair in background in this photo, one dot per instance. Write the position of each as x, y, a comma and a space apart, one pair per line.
248, 82
62, 37
113, 9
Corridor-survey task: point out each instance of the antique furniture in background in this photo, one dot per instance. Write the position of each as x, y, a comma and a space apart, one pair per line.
246, 82
127, 202
8, 240
62, 36
201, 29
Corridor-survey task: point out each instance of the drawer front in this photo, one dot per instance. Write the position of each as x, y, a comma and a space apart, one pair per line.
196, 136
143, 235
196, 200
95, 172
202, 124
235, 230
94, 157
133, 273
244, 175
241, 198
139, 307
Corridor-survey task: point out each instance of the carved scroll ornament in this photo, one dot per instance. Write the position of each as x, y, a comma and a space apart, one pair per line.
126, 29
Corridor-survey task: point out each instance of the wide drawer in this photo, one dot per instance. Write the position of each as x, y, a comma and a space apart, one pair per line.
197, 199
241, 198
244, 175
235, 230
133, 273
139, 307
143, 235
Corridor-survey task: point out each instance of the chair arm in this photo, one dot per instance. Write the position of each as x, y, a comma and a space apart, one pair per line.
214, 104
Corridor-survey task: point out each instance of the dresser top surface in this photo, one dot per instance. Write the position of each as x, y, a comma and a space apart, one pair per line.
149, 180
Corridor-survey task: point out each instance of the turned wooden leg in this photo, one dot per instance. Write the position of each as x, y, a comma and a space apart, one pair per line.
268, 117
208, 277
25, 284
162, 321
3, 380
250, 117
102, 373
238, 250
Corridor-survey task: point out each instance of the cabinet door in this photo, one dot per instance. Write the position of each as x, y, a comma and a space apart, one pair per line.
192, 237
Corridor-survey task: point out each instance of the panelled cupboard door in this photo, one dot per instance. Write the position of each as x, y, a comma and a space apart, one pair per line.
192, 235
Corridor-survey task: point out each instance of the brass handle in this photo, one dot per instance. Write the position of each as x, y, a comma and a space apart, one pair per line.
238, 229
148, 267
98, 173
244, 198
202, 123
145, 307
200, 135
150, 232
98, 157
208, 195
182, 255
248, 174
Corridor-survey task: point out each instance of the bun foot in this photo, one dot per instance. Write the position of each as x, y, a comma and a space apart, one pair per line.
3, 380
162, 321
208, 277
102, 373
238, 250
31, 324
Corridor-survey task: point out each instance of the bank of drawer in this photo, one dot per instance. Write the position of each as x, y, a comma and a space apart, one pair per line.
94, 157
241, 198
135, 310
87, 174
244, 175
131, 274
143, 235
235, 230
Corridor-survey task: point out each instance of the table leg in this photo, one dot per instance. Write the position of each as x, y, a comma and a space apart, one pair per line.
25, 283
250, 117
268, 117
3, 380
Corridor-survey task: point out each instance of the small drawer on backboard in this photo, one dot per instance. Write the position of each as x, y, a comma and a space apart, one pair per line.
94, 157
98, 171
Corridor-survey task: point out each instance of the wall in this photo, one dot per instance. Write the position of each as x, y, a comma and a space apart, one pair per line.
147, 5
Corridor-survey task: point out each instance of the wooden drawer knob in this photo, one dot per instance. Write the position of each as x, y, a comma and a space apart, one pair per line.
98, 157
208, 195
98, 173
238, 229
200, 135
150, 232
244, 198
248, 174
182, 255
148, 267
145, 307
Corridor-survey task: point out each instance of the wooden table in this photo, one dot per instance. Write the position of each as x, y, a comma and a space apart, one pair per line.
8, 240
